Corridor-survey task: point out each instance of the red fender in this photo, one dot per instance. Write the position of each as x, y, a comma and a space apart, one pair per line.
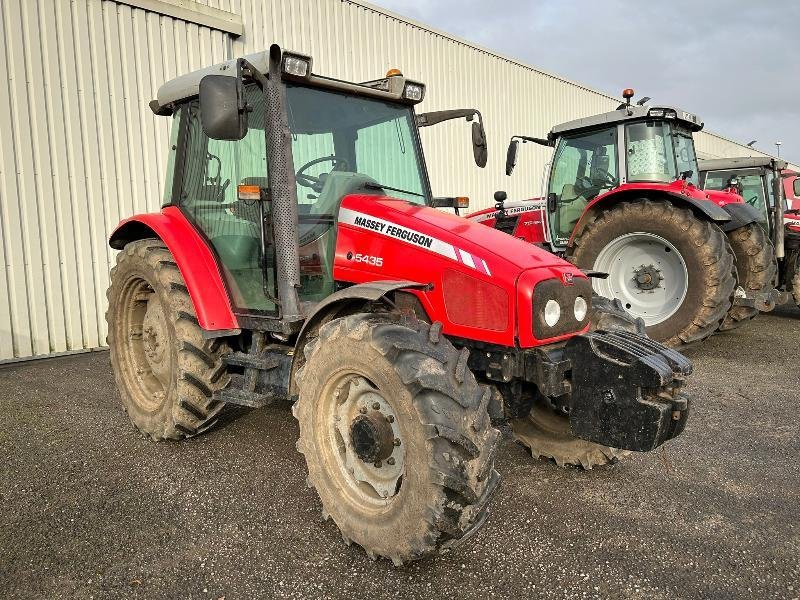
195, 260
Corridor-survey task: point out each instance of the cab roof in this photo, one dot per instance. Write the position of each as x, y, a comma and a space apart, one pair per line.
745, 162
628, 113
390, 88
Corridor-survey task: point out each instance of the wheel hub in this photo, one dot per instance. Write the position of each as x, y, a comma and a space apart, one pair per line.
154, 336
370, 439
647, 278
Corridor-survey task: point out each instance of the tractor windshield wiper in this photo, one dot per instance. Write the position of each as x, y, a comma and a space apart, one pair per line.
380, 186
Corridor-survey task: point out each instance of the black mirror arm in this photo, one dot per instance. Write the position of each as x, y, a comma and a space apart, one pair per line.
439, 116
525, 139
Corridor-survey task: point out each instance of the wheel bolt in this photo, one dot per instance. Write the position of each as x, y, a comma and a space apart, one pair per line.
390, 461
363, 410
378, 464
390, 418
376, 406
396, 441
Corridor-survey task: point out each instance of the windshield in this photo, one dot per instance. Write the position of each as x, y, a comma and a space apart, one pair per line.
343, 144
660, 152
750, 186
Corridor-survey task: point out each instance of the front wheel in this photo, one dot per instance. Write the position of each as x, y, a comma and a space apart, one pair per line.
666, 266
546, 431
396, 435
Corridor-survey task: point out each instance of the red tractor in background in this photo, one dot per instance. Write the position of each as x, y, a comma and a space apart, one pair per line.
299, 256
770, 187
622, 201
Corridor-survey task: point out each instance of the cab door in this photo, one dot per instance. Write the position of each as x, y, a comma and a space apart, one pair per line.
207, 176
583, 166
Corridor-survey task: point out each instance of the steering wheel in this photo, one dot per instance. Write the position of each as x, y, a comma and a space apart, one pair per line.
316, 183
586, 184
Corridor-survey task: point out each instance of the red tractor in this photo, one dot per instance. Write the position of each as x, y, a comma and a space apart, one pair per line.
299, 256
768, 186
622, 200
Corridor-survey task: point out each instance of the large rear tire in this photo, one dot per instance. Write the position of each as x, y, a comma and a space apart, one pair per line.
756, 269
793, 266
396, 434
166, 372
667, 266
547, 433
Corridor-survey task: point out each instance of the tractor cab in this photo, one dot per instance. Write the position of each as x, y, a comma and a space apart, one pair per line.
753, 177
270, 176
633, 146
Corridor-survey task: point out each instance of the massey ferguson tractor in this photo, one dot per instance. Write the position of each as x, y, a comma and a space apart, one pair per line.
622, 200
299, 256
768, 186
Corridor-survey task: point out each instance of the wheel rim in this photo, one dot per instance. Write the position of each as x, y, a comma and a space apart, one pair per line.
355, 412
144, 348
646, 272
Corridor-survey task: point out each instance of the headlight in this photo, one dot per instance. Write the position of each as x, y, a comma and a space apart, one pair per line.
580, 308
299, 66
414, 92
560, 308
552, 312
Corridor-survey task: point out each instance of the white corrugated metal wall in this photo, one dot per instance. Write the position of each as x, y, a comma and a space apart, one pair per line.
80, 149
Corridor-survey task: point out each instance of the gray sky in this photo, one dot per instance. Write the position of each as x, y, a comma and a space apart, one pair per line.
735, 63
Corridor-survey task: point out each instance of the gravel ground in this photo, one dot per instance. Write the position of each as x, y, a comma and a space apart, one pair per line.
88, 508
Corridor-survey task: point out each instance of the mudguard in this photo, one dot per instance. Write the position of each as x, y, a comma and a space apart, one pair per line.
337, 303
195, 260
741, 214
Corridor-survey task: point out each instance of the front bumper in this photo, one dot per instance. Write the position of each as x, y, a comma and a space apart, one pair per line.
620, 389
626, 390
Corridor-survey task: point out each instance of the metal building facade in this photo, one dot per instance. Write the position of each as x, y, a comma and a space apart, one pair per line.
80, 149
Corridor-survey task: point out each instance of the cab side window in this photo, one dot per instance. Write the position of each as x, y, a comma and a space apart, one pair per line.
208, 174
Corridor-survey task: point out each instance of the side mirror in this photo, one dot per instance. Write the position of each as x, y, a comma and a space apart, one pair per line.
223, 110
479, 150
511, 156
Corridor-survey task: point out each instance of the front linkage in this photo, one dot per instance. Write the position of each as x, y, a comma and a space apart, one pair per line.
619, 389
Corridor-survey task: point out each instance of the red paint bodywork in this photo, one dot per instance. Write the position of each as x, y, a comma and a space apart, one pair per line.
532, 224
486, 255
513, 264
792, 219
196, 262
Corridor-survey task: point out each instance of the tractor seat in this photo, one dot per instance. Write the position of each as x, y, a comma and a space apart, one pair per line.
572, 206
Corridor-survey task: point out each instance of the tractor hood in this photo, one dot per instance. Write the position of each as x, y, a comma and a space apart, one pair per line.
477, 281
445, 234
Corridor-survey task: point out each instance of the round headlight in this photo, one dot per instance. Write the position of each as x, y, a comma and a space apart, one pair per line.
580, 308
552, 313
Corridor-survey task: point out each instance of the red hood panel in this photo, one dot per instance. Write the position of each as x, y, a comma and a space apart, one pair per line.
458, 232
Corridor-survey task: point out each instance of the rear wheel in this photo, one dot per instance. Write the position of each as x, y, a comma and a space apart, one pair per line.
668, 267
396, 435
166, 372
756, 268
793, 276
546, 431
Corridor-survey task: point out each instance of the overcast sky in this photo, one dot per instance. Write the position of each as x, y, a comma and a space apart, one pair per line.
735, 63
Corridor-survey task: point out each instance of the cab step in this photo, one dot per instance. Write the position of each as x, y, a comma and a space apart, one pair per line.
265, 377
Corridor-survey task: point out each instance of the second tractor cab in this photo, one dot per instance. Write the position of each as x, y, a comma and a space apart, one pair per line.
621, 199
299, 255
768, 185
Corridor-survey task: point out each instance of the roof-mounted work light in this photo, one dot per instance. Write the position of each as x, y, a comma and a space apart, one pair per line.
296, 65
